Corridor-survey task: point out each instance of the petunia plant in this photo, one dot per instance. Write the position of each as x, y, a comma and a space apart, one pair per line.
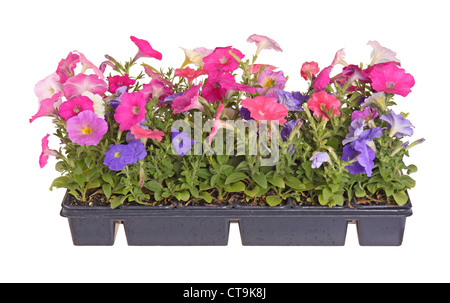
222, 129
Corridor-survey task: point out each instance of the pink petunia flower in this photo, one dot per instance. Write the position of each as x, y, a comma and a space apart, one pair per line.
188, 100
48, 86
46, 152
156, 90
392, 79
86, 128
381, 54
321, 103
323, 79
145, 49
118, 81
131, 110
75, 106
309, 69
218, 84
222, 60
218, 123
189, 73
48, 107
66, 67
263, 42
257, 68
81, 83
156, 76
367, 114
141, 133
266, 109
270, 81
89, 65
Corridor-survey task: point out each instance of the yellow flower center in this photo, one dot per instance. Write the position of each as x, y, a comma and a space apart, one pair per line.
117, 155
269, 82
86, 131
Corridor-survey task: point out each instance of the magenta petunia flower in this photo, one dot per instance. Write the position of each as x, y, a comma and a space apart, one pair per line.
77, 85
131, 110
188, 100
321, 103
66, 67
222, 60
367, 114
392, 79
75, 106
118, 81
263, 42
270, 81
86, 128
218, 84
156, 89
47, 107
46, 152
266, 109
145, 49
141, 133
323, 79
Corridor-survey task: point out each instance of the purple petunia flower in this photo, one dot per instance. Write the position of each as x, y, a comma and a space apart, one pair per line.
287, 128
318, 158
359, 149
398, 125
354, 131
246, 114
139, 150
181, 142
119, 156
86, 128
288, 100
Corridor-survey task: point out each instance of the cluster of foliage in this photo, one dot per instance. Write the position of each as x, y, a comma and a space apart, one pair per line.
200, 134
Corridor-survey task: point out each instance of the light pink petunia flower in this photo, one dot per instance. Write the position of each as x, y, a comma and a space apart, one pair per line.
75, 106
195, 56
309, 69
156, 90
339, 58
66, 67
81, 83
381, 54
189, 73
46, 152
218, 123
266, 109
48, 107
131, 110
188, 100
264, 42
86, 128
89, 65
141, 133
48, 86
145, 49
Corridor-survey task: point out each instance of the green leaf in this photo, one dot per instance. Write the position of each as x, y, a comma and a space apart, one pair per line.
117, 201
108, 178
294, 183
235, 187
338, 199
400, 197
411, 168
183, 195
252, 192
260, 179
154, 186
277, 181
407, 181
322, 201
206, 196
273, 200
93, 184
236, 176
60, 182
326, 194
107, 190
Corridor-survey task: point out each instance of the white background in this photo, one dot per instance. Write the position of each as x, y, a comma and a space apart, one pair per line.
35, 242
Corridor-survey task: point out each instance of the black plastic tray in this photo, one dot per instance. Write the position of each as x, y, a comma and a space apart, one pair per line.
280, 226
